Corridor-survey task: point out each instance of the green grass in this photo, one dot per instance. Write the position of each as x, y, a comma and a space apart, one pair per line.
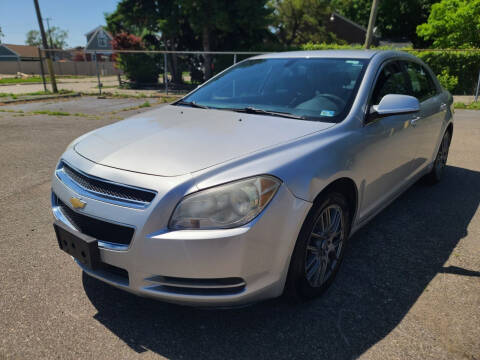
36, 93
32, 79
115, 95
144, 105
58, 113
37, 79
48, 112
160, 97
472, 106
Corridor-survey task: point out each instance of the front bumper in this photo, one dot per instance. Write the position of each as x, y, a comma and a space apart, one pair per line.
194, 267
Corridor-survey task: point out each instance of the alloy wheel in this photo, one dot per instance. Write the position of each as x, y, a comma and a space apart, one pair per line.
441, 159
324, 245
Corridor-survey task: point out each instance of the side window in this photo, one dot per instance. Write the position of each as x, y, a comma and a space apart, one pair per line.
423, 86
391, 80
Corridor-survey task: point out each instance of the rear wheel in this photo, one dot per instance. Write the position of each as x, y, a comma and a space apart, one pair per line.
320, 247
435, 175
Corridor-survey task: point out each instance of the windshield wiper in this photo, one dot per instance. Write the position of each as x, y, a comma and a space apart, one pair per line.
252, 110
192, 104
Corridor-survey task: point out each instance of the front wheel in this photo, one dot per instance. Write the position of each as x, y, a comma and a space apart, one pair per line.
320, 247
435, 175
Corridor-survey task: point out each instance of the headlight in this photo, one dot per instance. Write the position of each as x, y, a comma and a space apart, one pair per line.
225, 206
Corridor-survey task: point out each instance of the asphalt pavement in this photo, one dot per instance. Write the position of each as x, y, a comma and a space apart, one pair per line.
409, 287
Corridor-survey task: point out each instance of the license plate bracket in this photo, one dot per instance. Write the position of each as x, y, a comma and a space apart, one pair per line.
82, 247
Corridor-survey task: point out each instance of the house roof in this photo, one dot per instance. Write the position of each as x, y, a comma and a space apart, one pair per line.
346, 29
97, 29
93, 36
92, 31
23, 50
75, 49
337, 15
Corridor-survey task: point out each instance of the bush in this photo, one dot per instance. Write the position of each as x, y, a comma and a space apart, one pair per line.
472, 106
462, 65
457, 71
139, 68
448, 81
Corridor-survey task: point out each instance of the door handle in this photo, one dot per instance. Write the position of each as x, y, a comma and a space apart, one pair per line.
443, 107
414, 121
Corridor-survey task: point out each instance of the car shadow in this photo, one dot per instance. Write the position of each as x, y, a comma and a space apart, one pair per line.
387, 266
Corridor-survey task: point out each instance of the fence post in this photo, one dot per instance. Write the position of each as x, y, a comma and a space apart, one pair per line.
165, 75
41, 70
98, 74
234, 59
478, 87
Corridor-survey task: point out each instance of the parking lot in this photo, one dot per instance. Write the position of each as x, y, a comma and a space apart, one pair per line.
409, 287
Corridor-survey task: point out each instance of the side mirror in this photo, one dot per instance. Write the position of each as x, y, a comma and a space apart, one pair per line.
393, 104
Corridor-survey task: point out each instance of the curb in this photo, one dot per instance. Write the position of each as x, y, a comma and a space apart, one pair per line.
38, 98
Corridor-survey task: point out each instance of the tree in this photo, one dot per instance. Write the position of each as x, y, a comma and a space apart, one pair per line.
1, 34
56, 38
297, 22
139, 68
160, 24
193, 24
226, 25
453, 23
395, 20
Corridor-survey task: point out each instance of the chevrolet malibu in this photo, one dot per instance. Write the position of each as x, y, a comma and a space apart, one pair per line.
250, 186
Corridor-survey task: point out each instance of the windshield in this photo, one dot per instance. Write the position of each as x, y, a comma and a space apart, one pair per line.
308, 88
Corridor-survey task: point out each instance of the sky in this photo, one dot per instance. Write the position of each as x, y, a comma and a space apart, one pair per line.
78, 17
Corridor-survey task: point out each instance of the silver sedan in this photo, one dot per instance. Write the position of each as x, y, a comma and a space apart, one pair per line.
251, 185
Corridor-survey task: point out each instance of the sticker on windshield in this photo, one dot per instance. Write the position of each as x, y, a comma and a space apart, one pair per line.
327, 113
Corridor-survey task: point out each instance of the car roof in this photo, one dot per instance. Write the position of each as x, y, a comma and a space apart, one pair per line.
351, 54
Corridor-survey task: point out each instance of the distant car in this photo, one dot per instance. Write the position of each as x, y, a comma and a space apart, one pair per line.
251, 185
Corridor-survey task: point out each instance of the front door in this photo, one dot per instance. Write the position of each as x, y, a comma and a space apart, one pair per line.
388, 156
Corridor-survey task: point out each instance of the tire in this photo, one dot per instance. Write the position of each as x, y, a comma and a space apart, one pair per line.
316, 254
435, 175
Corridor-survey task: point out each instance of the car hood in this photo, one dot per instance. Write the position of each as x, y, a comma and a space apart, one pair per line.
176, 140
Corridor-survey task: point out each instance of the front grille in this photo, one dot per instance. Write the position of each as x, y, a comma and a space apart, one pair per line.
98, 229
107, 188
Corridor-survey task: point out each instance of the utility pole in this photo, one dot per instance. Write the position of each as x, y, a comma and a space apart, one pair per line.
45, 46
49, 31
41, 70
371, 24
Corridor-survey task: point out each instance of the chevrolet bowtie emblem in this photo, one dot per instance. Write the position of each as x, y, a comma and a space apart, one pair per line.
77, 203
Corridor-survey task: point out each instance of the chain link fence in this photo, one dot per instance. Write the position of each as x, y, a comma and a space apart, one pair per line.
169, 72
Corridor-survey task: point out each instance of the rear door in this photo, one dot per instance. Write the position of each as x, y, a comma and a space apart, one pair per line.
428, 122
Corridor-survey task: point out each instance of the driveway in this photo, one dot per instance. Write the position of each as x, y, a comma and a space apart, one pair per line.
409, 288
